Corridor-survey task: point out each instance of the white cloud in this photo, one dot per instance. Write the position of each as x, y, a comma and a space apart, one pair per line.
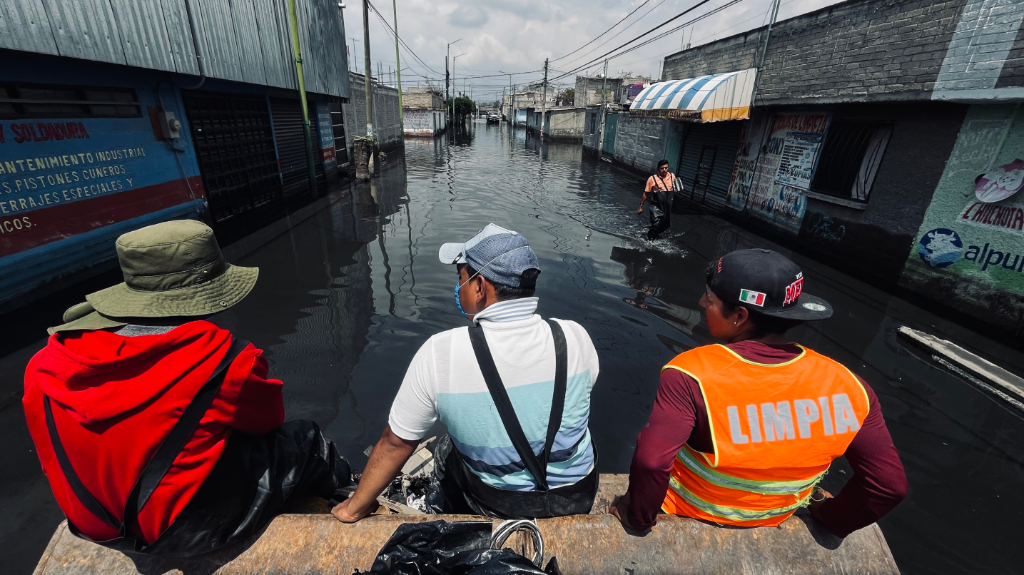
502, 36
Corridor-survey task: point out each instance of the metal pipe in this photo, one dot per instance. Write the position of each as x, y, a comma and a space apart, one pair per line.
297, 52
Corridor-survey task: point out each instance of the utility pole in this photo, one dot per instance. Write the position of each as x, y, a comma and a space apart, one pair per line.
355, 54
604, 89
511, 100
367, 69
544, 99
398, 71
297, 52
447, 77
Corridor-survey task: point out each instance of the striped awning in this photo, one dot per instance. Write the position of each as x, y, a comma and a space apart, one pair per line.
703, 99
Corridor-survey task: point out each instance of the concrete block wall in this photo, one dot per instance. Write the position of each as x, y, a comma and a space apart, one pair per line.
387, 124
874, 50
640, 142
588, 91
567, 124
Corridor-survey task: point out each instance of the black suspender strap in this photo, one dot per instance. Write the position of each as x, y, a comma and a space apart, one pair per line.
165, 455
536, 467
83, 495
558, 397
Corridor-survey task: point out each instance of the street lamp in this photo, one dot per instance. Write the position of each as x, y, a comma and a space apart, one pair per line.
453, 81
447, 57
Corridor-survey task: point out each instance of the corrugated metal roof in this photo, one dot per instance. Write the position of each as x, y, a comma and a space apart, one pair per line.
86, 29
218, 38
25, 26
241, 40
247, 36
179, 36
143, 35
271, 17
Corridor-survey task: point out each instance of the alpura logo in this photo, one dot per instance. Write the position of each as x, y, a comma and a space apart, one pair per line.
942, 247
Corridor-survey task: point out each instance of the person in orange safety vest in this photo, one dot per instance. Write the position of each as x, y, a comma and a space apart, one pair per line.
742, 433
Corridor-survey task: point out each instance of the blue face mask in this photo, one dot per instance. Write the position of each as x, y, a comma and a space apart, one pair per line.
458, 304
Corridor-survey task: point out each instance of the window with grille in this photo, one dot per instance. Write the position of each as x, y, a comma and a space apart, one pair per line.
849, 159
60, 101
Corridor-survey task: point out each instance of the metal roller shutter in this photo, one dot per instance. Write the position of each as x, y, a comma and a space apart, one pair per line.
234, 146
709, 153
291, 148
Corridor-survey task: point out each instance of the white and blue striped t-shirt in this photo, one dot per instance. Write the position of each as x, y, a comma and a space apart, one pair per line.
444, 382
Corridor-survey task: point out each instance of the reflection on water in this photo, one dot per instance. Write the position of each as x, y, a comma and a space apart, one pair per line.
349, 291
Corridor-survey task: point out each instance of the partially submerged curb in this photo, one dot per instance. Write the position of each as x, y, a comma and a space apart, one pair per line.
976, 369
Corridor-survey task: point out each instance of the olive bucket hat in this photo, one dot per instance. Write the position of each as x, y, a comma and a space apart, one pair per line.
172, 269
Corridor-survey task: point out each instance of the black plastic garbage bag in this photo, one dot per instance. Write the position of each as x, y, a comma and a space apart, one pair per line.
456, 548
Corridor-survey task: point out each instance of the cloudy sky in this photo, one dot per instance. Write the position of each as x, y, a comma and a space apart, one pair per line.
504, 36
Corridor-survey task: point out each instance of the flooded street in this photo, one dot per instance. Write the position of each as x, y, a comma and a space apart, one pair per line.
350, 287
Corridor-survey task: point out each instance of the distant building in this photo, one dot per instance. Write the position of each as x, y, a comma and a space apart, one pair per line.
516, 111
424, 112
589, 90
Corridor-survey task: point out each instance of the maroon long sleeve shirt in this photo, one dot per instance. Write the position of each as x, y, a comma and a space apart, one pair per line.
679, 416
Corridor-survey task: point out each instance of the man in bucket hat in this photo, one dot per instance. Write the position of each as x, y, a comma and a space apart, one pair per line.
512, 389
158, 431
741, 433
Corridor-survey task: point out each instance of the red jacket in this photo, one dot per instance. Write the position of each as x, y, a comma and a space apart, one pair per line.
116, 398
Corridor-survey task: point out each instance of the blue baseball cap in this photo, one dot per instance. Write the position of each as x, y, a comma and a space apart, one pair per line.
499, 255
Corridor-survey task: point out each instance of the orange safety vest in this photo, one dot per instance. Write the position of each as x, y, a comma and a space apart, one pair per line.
775, 430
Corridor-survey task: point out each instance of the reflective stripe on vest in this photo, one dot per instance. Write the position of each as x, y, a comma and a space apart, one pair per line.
687, 458
733, 513
775, 429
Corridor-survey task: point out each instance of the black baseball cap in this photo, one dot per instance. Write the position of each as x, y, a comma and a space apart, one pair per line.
765, 282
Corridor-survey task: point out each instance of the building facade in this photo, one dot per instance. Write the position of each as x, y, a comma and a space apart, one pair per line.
424, 113
885, 138
118, 115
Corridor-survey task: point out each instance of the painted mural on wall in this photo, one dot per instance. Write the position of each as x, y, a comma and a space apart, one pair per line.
974, 228
774, 167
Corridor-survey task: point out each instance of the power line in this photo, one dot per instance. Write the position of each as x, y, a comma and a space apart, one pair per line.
617, 34
663, 24
400, 40
605, 32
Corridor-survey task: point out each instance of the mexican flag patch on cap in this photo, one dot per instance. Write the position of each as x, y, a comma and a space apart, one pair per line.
752, 297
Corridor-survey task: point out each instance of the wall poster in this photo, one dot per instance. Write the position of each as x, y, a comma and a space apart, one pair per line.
970, 247
771, 184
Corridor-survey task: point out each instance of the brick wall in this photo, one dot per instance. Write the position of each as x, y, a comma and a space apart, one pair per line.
423, 100
866, 50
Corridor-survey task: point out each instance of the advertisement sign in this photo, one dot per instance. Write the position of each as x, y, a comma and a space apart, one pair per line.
62, 177
970, 246
774, 167
325, 129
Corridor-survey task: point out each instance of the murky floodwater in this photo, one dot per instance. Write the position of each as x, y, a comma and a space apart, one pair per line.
348, 292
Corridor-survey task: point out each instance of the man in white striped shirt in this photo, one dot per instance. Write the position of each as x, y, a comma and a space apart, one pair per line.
513, 390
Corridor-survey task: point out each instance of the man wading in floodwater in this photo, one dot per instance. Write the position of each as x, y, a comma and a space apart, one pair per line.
660, 190
158, 431
741, 433
513, 390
